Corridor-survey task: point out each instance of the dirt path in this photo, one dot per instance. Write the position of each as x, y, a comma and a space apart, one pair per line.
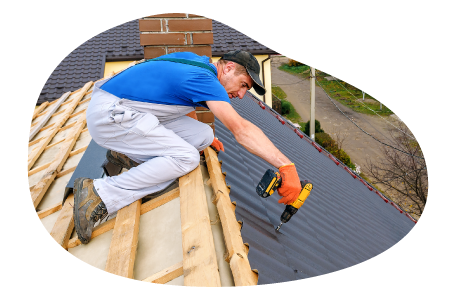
358, 145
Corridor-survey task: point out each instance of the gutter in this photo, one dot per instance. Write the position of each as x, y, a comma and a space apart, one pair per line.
262, 67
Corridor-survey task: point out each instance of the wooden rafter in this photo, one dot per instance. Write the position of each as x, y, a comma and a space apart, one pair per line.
122, 252
64, 225
237, 254
200, 261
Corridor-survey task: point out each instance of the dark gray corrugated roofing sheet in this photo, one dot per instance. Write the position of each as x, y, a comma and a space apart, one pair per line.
341, 224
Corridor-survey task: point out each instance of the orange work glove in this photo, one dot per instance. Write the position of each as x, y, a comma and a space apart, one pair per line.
291, 186
217, 145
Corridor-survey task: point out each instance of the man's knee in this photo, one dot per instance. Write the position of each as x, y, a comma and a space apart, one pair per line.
206, 138
190, 160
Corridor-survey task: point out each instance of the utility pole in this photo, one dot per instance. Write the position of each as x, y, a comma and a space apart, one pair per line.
312, 103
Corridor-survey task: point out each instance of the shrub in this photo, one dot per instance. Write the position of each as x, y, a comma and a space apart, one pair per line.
286, 107
294, 63
277, 105
306, 128
325, 140
343, 157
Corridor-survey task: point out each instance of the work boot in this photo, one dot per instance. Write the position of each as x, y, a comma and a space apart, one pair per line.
88, 208
121, 160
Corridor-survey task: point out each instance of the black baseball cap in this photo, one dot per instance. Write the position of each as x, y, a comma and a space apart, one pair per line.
248, 61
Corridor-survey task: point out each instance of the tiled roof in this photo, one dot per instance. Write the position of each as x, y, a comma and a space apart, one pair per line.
86, 63
341, 224
227, 39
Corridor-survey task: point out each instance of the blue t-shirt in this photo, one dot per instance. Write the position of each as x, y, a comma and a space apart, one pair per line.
170, 83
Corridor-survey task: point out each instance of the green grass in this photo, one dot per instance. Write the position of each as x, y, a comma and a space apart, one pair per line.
302, 70
293, 116
279, 93
339, 93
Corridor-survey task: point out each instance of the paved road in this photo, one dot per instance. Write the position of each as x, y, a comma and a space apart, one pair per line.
357, 144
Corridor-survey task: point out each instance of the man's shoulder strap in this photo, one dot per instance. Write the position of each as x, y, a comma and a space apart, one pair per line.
184, 61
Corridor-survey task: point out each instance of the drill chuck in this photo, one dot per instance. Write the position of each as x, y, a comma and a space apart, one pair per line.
288, 213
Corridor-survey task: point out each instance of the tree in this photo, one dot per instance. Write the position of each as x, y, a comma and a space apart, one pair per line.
339, 137
402, 175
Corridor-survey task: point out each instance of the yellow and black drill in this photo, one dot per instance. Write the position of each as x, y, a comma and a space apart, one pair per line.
270, 182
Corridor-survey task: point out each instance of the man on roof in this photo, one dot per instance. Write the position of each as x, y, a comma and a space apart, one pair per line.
145, 116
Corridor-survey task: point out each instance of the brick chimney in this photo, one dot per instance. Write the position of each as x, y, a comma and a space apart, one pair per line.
169, 33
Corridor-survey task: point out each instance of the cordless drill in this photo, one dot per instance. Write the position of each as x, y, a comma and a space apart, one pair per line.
270, 182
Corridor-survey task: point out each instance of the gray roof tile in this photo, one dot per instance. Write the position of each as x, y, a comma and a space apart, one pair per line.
86, 63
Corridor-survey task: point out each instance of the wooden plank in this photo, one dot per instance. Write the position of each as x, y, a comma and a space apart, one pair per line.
40, 168
47, 127
39, 109
77, 151
49, 211
64, 172
146, 207
64, 225
236, 250
43, 121
100, 229
77, 113
200, 261
156, 202
67, 126
167, 274
44, 142
52, 145
58, 113
35, 141
56, 165
238, 266
122, 252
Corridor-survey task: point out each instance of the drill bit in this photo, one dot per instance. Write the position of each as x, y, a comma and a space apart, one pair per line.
278, 227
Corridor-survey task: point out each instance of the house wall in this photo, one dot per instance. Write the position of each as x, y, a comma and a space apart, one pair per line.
115, 66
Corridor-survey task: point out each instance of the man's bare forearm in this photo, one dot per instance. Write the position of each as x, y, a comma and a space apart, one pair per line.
255, 141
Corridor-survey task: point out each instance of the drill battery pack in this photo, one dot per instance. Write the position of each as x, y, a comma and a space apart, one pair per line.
268, 184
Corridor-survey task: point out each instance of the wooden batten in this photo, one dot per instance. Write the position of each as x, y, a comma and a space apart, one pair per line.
167, 274
64, 225
39, 109
200, 261
49, 114
146, 207
56, 165
49, 211
236, 250
52, 132
122, 252
100, 229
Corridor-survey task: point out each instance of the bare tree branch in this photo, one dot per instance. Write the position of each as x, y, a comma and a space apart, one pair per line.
403, 177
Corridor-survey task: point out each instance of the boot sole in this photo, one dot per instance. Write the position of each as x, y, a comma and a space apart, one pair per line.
78, 183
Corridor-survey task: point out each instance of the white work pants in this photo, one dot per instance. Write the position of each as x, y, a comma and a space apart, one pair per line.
160, 136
